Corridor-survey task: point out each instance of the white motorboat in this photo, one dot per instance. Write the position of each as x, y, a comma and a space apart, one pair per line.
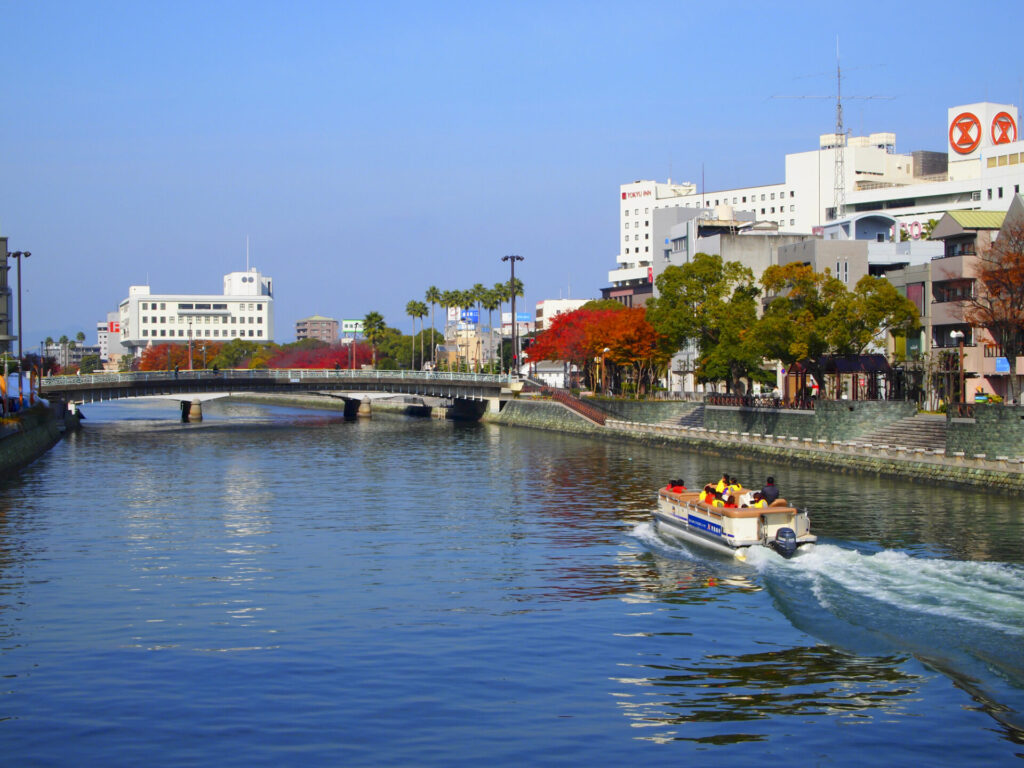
730, 529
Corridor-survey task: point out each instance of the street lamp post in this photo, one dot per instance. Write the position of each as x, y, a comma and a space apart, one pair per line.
190, 343
19, 255
604, 382
204, 355
958, 336
512, 259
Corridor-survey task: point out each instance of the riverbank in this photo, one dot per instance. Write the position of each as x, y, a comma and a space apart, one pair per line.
958, 470
26, 436
1004, 474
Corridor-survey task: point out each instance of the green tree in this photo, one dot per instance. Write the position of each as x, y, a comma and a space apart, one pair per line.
373, 329
814, 315
90, 363
712, 304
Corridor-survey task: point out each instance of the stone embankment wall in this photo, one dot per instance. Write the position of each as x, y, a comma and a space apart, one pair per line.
1006, 474
647, 411
995, 430
542, 414
26, 437
830, 419
835, 455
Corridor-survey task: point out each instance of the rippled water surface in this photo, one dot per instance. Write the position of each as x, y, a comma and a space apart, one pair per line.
280, 587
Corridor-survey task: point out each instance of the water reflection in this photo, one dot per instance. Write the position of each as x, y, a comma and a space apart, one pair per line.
716, 689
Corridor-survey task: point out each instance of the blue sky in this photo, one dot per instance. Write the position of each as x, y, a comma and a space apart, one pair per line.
371, 150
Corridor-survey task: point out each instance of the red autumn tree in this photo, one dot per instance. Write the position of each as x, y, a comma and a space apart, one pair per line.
593, 338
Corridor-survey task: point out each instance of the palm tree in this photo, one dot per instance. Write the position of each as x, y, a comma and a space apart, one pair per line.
411, 309
448, 300
373, 330
433, 297
491, 302
421, 312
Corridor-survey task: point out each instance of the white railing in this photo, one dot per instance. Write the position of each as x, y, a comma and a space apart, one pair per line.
295, 375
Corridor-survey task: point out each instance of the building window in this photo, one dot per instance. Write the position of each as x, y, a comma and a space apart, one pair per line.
145, 332
762, 210
1000, 191
990, 194
163, 332
627, 225
744, 198
792, 222
792, 208
792, 193
762, 198
162, 305
144, 305
773, 195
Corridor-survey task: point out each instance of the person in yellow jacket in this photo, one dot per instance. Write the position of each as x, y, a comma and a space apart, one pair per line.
723, 483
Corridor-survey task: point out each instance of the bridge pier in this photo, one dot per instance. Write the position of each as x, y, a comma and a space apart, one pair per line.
191, 411
365, 408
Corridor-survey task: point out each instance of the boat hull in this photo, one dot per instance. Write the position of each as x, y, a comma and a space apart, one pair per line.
727, 530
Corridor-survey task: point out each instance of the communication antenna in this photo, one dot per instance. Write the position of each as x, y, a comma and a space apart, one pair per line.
839, 197
839, 185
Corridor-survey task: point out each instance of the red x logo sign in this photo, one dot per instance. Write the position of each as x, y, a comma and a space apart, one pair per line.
969, 136
1004, 129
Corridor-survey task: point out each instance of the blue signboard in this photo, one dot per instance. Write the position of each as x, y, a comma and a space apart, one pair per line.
1002, 365
704, 525
523, 317
470, 316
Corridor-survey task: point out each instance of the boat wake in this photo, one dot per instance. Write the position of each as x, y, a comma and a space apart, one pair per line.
985, 595
964, 619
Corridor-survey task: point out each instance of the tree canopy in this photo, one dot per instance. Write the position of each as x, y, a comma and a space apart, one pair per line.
712, 304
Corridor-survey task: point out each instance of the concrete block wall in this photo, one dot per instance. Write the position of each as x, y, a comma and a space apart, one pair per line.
995, 430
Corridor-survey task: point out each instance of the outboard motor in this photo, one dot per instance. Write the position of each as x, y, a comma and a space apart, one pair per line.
785, 542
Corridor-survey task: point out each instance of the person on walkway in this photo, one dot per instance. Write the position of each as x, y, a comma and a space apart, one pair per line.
769, 492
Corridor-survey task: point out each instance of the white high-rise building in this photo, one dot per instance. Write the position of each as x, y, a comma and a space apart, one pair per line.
244, 311
982, 167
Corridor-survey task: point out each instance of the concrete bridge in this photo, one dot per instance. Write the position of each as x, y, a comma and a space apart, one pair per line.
470, 392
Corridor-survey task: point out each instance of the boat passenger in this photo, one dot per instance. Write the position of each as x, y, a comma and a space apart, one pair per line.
723, 483
707, 495
734, 486
769, 491
758, 500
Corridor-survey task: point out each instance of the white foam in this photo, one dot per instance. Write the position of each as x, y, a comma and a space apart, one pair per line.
988, 594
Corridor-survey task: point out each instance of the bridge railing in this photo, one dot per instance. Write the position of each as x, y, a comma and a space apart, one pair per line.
284, 374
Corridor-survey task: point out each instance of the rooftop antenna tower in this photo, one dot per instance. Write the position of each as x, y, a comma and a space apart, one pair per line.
839, 197
839, 186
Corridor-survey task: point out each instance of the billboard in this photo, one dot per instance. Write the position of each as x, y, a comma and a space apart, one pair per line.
470, 316
351, 326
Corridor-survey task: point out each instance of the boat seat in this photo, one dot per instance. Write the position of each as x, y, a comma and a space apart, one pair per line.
780, 502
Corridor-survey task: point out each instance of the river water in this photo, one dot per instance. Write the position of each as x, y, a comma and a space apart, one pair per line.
277, 587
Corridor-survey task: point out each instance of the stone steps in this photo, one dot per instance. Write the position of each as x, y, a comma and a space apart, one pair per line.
919, 431
694, 418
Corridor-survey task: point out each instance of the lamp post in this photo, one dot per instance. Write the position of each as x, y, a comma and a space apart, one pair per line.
958, 336
604, 382
19, 255
204, 355
512, 259
190, 343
